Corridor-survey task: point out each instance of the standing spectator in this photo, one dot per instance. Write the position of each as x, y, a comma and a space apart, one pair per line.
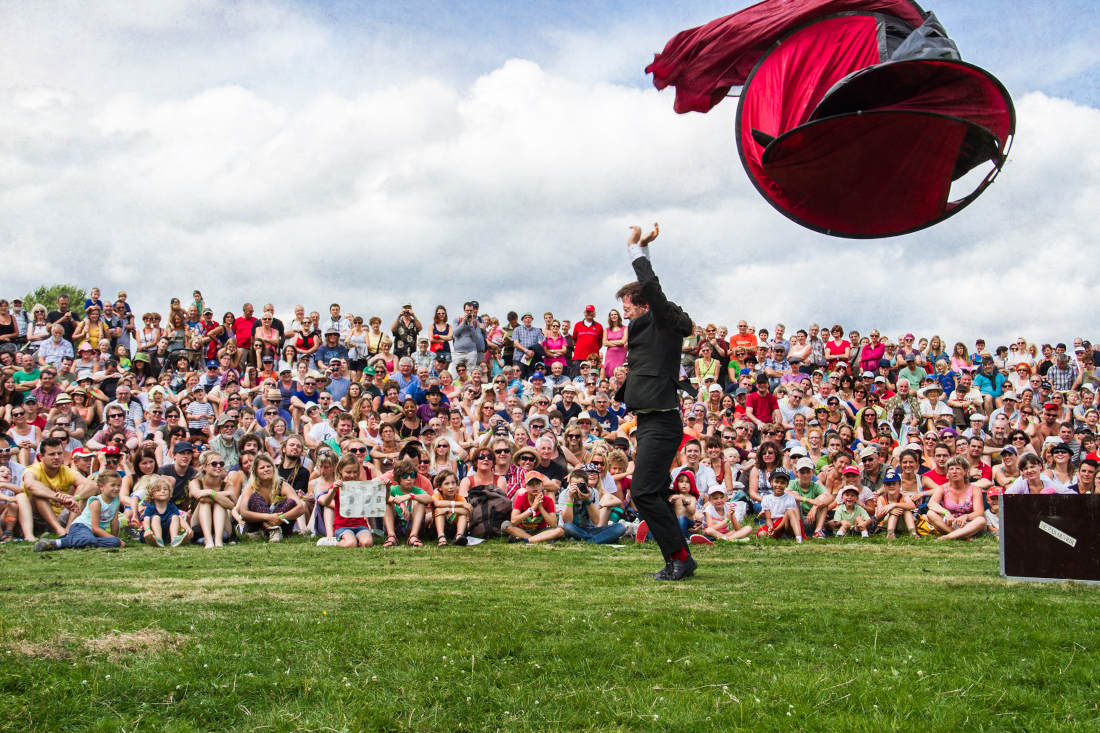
243, 327
337, 320
528, 349
406, 328
67, 318
587, 338
469, 337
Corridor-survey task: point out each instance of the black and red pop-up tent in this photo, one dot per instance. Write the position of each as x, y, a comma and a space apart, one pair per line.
855, 116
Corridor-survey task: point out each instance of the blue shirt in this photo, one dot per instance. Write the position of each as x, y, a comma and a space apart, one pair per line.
107, 512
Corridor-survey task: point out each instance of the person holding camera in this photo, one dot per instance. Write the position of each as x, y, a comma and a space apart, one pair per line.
469, 338
580, 511
406, 328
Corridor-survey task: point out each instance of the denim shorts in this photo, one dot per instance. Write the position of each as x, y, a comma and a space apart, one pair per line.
356, 531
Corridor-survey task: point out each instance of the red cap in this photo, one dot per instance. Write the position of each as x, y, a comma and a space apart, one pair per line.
995, 491
82, 451
533, 476
850, 471
1052, 405
109, 450
589, 308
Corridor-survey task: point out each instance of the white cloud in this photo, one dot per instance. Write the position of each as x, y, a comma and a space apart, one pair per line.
515, 189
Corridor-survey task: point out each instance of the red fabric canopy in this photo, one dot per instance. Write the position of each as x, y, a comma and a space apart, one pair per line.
704, 62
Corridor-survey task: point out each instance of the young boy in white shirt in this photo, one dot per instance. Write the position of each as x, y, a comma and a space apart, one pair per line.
780, 509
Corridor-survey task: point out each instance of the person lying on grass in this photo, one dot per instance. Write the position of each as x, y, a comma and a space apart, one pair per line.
533, 518
893, 506
451, 510
720, 519
97, 525
780, 510
349, 531
161, 519
849, 514
405, 505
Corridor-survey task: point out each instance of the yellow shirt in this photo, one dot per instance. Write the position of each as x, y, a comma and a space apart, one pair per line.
63, 482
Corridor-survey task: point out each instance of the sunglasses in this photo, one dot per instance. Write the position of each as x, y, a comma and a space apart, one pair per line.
484, 456
407, 475
357, 451
501, 451
217, 464
521, 458
598, 463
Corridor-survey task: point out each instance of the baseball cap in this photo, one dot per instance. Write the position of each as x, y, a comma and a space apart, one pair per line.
782, 476
804, 463
213, 364
846, 489
268, 359
538, 375
183, 447
82, 452
868, 452
850, 471
533, 476
589, 308
718, 489
867, 375
891, 477
1010, 396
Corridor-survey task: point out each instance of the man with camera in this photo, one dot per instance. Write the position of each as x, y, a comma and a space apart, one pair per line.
580, 511
469, 337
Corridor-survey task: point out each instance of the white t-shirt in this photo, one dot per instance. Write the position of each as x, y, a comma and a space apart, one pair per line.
778, 505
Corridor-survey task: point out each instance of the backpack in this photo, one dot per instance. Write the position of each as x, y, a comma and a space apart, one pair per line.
491, 507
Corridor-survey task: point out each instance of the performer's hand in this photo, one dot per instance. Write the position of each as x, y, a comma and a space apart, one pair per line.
635, 235
652, 235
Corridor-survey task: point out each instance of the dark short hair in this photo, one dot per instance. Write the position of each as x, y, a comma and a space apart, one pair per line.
634, 290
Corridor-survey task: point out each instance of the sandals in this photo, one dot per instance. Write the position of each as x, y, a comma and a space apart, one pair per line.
442, 541
391, 541
414, 541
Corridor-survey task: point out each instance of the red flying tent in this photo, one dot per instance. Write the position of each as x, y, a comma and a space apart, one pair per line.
855, 116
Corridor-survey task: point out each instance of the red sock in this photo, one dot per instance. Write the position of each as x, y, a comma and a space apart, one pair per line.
682, 554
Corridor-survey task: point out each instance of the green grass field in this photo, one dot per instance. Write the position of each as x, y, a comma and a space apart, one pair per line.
842, 634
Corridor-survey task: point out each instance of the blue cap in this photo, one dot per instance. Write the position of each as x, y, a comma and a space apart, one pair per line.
538, 375
183, 446
891, 477
211, 363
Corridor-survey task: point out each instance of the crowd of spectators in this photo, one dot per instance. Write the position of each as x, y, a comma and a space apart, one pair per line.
194, 428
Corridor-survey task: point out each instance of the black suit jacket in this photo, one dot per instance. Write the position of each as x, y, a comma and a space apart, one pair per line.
653, 347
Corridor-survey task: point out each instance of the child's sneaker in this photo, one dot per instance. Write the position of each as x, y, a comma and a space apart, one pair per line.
840, 533
178, 539
864, 533
6, 537
44, 546
642, 533
328, 542
698, 539
819, 535
275, 535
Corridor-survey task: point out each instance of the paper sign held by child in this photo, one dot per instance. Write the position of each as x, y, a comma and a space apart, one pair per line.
363, 499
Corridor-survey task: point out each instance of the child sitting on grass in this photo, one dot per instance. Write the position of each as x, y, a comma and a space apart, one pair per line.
349, 531
9, 508
780, 510
720, 520
893, 505
405, 506
849, 514
533, 515
97, 525
685, 502
451, 508
161, 519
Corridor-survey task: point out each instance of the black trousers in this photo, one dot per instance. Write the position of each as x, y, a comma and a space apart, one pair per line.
659, 435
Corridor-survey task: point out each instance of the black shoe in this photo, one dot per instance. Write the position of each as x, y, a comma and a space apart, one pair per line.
664, 573
681, 569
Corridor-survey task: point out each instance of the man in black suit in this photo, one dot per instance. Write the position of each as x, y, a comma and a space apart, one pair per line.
657, 329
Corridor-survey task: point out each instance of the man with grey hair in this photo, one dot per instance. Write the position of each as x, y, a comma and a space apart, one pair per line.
549, 462
406, 380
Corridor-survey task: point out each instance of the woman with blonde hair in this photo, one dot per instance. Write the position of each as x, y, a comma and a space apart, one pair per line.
956, 509
213, 499
268, 504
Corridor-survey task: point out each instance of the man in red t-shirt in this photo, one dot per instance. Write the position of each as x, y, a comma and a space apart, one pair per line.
243, 326
587, 338
761, 406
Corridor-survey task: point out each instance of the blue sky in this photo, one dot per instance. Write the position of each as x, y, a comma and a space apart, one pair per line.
375, 152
